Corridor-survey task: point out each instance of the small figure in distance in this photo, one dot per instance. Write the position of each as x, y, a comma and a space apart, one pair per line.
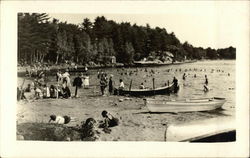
184, 76
61, 119
206, 80
206, 89
141, 86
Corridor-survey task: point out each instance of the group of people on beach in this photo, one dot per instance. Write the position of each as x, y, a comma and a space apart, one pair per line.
108, 82
59, 90
89, 128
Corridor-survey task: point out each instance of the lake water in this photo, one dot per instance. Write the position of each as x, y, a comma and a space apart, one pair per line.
220, 74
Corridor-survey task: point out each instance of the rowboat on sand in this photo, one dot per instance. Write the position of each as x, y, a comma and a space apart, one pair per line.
185, 105
219, 129
148, 92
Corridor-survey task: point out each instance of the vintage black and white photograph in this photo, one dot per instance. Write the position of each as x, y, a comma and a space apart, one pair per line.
105, 78
144, 73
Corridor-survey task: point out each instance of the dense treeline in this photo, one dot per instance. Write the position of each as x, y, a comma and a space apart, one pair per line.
48, 40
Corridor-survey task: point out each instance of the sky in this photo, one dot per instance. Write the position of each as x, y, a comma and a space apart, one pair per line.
210, 24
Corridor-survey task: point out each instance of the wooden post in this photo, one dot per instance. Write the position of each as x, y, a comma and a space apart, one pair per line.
154, 85
130, 85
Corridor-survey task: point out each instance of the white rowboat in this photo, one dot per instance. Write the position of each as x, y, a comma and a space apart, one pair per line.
187, 105
219, 129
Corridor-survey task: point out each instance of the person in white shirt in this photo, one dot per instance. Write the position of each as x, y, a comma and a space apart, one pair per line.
61, 119
121, 86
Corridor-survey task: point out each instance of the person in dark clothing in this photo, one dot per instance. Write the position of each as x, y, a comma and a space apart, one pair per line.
206, 80
66, 91
77, 83
89, 131
184, 76
28, 88
176, 87
109, 120
111, 87
53, 91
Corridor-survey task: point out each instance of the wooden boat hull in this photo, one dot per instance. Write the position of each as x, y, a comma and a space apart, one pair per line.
221, 129
184, 105
148, 92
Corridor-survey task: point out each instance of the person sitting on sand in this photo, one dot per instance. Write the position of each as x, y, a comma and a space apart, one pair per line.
38, 93
141, 86
61, 119
66, 91
89, 130
53, 91
109, 120
28, 88
46, 91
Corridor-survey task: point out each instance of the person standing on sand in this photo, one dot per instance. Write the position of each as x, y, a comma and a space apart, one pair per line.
103, 84
111, 85
66, 77
77, 83
86, 81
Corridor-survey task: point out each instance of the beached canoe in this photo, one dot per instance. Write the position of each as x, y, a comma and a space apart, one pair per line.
220, 129
148, 92
187, 105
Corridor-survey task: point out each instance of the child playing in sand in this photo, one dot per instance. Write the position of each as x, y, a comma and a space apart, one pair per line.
61, 119
109, 120
89, 130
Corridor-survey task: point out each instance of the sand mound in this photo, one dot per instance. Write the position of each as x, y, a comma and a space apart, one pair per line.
48, 132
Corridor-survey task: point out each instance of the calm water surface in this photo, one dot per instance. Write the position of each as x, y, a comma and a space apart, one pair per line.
221, 81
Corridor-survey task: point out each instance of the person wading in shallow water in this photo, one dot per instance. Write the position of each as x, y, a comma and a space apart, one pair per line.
77, 83
206, 80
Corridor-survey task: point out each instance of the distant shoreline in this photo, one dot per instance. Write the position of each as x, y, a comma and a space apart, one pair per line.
21, 72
